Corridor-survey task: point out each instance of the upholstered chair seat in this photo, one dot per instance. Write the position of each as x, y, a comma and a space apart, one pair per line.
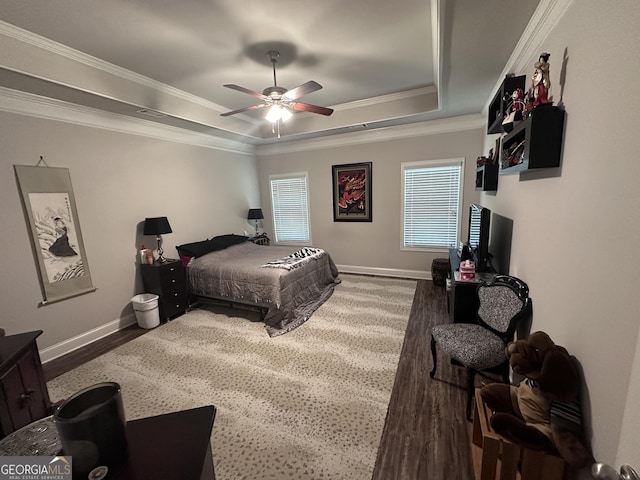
471, 345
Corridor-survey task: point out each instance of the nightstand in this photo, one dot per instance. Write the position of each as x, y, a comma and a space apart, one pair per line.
262, 239
168, 281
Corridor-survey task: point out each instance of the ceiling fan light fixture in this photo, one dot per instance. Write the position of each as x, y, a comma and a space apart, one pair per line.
278, 113
285, 114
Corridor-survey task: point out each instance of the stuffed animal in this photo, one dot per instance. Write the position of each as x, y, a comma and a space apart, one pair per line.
543, 411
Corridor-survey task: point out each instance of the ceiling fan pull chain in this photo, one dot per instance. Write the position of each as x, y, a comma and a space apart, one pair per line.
275, 128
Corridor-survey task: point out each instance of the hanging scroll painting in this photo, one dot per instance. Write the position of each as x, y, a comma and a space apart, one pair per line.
50, 208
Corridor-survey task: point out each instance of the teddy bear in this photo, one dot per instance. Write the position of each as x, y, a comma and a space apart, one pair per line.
542, 412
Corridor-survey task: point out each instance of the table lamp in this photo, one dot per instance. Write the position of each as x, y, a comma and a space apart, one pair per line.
255, 214
157, 226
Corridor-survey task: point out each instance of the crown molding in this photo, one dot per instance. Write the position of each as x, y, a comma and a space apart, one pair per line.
421, 129
437, 19
39, 41
14, 101
543, 21
391, 97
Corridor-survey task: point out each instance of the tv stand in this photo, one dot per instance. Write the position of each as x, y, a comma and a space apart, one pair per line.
463, 298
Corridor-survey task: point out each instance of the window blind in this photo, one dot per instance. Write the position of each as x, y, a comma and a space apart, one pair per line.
431, 203
289, 198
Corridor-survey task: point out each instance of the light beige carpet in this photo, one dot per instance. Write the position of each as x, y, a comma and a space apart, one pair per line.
310, 404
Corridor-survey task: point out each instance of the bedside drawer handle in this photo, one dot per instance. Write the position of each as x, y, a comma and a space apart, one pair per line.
26, 396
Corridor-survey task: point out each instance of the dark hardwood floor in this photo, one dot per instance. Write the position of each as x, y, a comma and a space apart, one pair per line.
426, 435
60, 365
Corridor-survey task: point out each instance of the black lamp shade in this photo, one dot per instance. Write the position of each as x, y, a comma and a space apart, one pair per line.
255, 214
156, 226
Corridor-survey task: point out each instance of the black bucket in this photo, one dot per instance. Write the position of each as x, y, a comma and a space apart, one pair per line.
92, 430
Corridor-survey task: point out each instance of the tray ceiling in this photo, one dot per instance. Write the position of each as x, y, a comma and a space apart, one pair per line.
380, 63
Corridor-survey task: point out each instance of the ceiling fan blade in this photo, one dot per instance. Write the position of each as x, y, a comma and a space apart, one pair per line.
245, 109
303, 89
246, 90
306, 107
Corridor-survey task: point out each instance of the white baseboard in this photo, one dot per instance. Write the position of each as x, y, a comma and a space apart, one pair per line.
67, 346
385, 272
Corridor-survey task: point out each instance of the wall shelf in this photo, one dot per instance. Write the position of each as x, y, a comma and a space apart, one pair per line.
487, 178
534, 143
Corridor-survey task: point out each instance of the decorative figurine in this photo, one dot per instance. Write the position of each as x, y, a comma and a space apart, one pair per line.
540, 83
515, 154
540, 91
515, 110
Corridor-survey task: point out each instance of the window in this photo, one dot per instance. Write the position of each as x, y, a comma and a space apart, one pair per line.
431, 192
290, 202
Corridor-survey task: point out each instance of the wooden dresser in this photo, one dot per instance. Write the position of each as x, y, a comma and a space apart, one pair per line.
23, 390
168, 281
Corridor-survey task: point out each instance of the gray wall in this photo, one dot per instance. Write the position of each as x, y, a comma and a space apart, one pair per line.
118, 180
574, 230
373, 247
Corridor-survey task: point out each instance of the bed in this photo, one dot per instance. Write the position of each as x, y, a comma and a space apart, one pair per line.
287, 284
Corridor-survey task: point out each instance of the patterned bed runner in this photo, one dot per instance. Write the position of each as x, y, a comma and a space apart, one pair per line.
296, 259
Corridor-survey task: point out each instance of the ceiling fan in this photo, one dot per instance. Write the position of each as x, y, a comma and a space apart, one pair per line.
279, 100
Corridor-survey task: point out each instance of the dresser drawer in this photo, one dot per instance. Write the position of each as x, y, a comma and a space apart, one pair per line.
173, 302
172, 282
171, 270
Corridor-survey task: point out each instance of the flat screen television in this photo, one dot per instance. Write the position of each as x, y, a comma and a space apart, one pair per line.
479, 223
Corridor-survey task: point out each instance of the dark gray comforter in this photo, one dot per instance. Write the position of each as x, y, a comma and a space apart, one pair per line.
290, 296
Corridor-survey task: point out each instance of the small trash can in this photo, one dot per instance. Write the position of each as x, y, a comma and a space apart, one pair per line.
440, 271
146, 307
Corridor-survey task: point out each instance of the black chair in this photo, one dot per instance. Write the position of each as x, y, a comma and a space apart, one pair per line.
480, 346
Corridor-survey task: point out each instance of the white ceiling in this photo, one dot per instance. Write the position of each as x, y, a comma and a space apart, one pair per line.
380, 63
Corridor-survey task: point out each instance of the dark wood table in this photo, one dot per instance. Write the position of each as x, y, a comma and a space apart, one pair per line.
174, 446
